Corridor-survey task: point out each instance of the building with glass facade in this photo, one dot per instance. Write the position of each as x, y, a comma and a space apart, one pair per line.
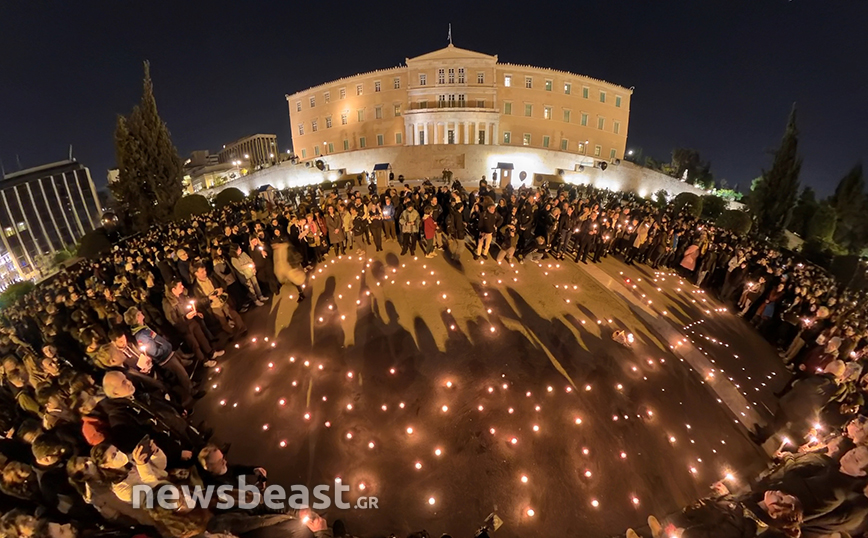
44, 210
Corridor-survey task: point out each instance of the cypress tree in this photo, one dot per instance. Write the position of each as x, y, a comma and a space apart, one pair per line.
848, 202
149, 181
774, 195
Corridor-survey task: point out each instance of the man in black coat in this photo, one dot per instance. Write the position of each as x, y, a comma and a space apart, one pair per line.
131, 416
489, 222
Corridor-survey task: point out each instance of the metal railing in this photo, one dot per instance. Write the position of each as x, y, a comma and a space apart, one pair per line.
426, 105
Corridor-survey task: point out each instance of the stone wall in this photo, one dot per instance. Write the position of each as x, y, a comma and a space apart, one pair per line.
467, 163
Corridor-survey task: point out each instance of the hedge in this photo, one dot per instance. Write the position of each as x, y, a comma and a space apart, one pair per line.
193, 204
228, 196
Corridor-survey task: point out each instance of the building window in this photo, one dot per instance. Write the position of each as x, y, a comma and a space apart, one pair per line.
9, 232
546, 141
547, 112
480, 103
422, 137
460, 75
343, 119
598, 150
586, 92
397, 110
566, 116
507, 137
316, 151
564, 144
396, 84
567, 87
377, 86
525, 139
313, 125
612, 153
378, 112
618, 101
399, 138
480, 78
451, 76
548, 85
528, 82
441, 76
528, 110
461, 100
343, 93
616, 127
601, 123
423, 79
358, 89
331, 147
380, 140
581, 148
300, 128
361, 114
298, 106
507, 80
312, 101
362, 142
304, 154
328, 122
507, 108
346, 145
602, 97
327, 97
423, 104
584, 120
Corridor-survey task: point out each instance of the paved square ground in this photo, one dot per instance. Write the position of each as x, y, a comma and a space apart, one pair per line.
518, 400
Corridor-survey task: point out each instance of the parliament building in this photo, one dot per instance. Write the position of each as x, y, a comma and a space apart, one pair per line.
455, 96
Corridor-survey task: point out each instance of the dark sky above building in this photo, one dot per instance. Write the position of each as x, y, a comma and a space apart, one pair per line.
716, 75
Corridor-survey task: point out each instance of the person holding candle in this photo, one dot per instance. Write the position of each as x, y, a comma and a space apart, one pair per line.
162, 355
180, 310
243, 264
208, 291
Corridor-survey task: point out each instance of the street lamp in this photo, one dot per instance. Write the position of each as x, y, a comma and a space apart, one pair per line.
630, 152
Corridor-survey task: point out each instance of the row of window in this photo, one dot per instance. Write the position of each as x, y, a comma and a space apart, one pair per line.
565, 144
360, 115
450, 74
548, 113
581, 147
342, 93
568, 88
363, 143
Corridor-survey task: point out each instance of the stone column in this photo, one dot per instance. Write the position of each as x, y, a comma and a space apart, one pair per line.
466, 132
475, 132
445, 132
494, 140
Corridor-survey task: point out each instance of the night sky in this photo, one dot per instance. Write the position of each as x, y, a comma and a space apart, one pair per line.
719, 76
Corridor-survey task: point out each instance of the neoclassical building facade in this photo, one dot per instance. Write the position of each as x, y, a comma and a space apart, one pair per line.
457, 96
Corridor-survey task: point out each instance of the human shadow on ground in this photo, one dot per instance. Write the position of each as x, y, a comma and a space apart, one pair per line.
468, 387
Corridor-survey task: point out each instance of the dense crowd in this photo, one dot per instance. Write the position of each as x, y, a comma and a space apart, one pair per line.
102, 363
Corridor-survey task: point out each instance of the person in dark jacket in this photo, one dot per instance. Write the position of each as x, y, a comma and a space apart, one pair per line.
132, 418
797, 409
180, 310
455, 228
489, 223
162, 355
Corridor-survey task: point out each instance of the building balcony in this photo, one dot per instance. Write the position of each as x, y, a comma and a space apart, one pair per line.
472, 104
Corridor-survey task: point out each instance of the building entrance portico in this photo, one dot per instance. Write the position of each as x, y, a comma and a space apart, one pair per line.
472, 127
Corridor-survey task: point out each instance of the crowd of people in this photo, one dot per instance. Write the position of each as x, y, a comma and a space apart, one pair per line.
102, 364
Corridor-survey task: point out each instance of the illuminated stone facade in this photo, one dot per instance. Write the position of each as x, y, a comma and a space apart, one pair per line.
455, 96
